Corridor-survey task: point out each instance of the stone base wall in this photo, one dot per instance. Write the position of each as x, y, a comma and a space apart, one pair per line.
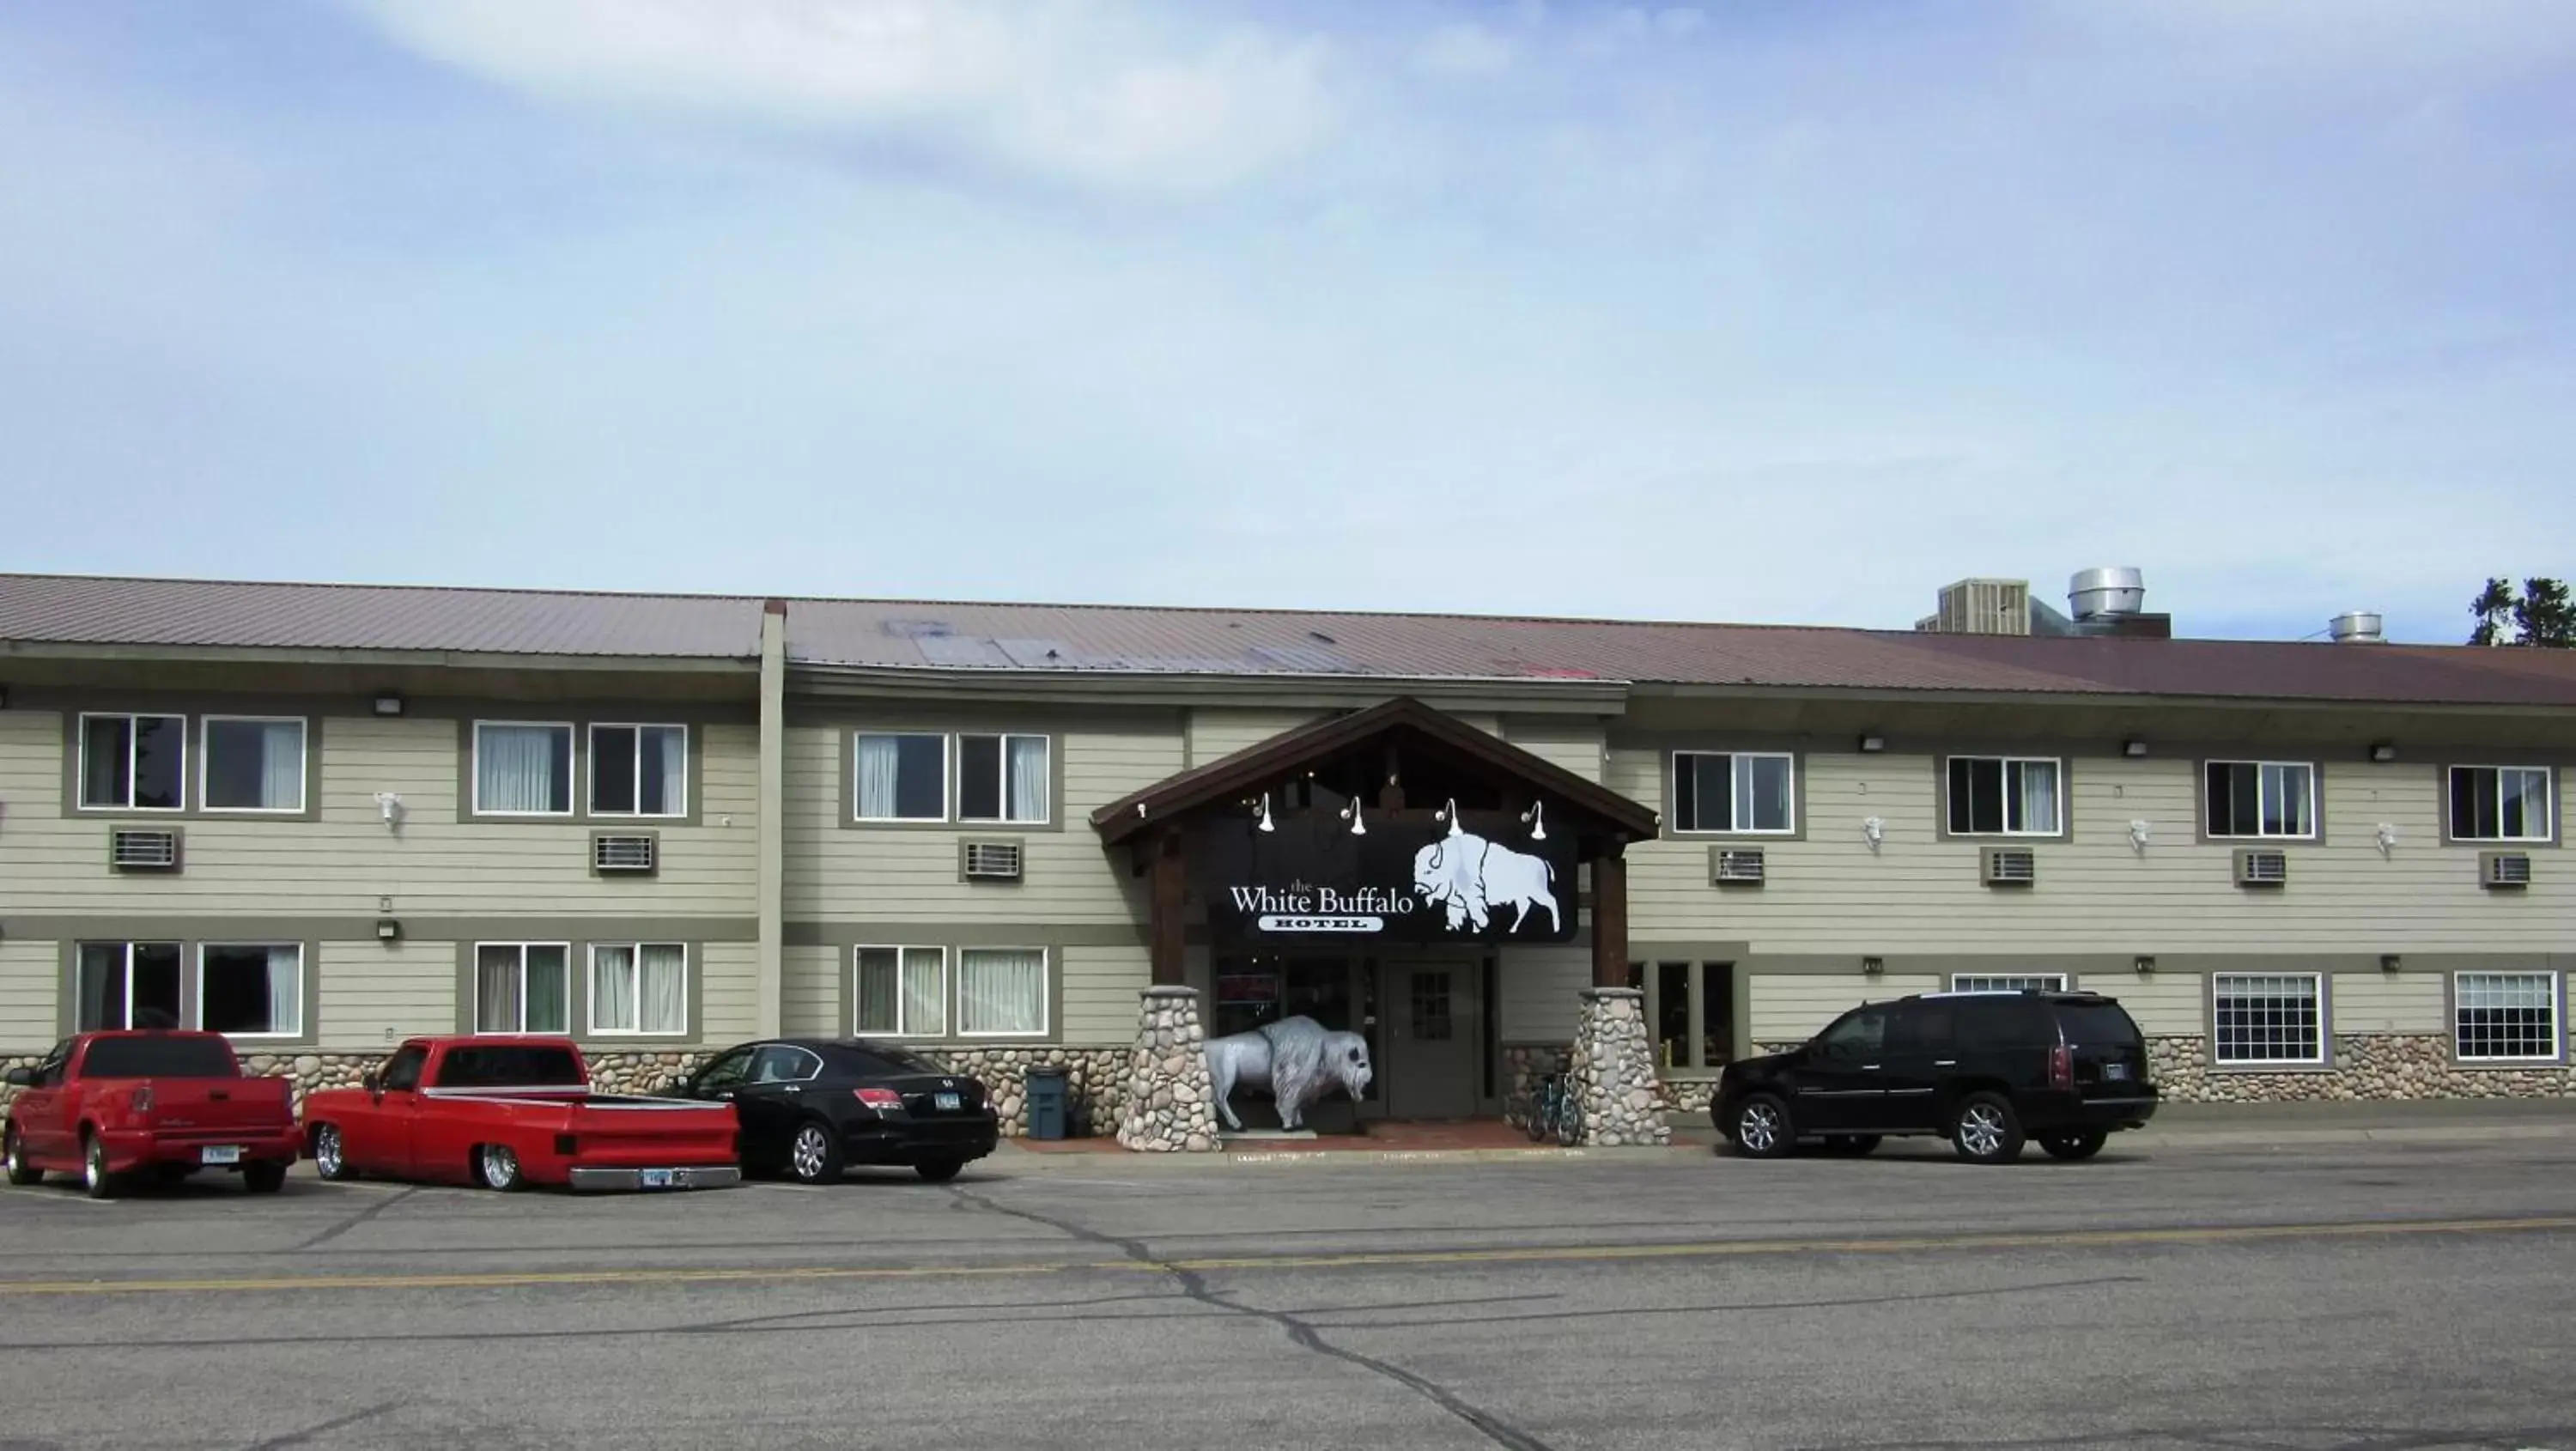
1614, 1071
1095, 1083
2365, 1066
1170, 1105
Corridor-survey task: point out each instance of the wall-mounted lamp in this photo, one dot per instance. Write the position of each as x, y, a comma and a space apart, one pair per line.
390, 807
2387, 836
1536, 816
1873, 743
2133, 747
2383, 751
1351, 814
388, 930
1264, 813
2144, 964
1873, 965
2390, 962
2140, 832
389, 702
1874, 829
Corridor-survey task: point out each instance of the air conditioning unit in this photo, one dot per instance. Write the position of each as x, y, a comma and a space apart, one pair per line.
1735, 867
2258, 867
2504, 870
989, 861
623, 853
142, 849
2010, 866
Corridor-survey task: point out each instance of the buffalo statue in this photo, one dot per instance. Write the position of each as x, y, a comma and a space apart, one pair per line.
1299, 1058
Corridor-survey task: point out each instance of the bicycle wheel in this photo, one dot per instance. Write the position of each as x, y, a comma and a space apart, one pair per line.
1569, 1123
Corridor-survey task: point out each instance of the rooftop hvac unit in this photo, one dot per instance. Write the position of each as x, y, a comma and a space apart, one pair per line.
991, 861
2010, 866
620, 854
2504, 870
2262, 868
1984, 607
1735, 867
140, 849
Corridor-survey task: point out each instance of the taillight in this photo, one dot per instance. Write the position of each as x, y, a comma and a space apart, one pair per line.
880, 1099
2061, 1067
143, 1099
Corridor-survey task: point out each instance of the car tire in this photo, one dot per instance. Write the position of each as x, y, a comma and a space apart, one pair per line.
1759, 1127
21, 1172
331, 1154
263, 1178
496, 1167
814, 1153
96, 1182
939, 1171
1985, 1130
1851, 1146
2074, 1143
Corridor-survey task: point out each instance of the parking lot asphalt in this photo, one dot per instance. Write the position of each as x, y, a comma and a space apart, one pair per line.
2359, 1294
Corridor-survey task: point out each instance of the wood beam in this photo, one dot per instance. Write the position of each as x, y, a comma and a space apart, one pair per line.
1165, 935
1610, 918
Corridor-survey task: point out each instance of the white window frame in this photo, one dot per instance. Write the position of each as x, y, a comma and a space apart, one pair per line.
206, 767
80, 782
2325, 1023
2315, 807
635, 965
2557, 1018
590, 774
903, 1030
957, 992
947, 780
197, 1004
573, 774
2057, 770
2548, 803
128, 965
957, 769
522, 1030
2009, 982
1735, 802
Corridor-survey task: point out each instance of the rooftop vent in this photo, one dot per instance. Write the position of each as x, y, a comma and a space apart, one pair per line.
2357, 627
2112, 592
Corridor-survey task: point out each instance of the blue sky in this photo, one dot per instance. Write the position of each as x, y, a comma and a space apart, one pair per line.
1773, 311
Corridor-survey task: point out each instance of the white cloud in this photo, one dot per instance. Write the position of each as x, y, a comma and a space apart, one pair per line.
1464, 50
1064, 91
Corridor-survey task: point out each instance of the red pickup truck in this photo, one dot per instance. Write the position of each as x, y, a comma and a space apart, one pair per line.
105, 1105
507, 1112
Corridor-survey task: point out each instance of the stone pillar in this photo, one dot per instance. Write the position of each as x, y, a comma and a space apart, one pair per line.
1171, 1101
1614, 1071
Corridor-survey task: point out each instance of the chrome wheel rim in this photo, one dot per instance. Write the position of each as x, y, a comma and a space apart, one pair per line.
500, 1166
807, 1152
94, 1164
17, 1154
1758, 1128
1981, 1130
326, 1152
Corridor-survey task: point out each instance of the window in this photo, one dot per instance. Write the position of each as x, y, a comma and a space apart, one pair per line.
516, 1065
639, 987
639, 770
1002, 778
133, 762
2007, 982
1860, 1033
881, 1060
2264, 1018
522, 987
1741, 792
726, 1070
902, 991
784, 1063
252, 764
522, 770
902, 778
1691, 1006
2499, 803
159, 1057
127, 985
402, 1071
251, 990
2003, 796
2503, 1017
2260, 799
1001, 991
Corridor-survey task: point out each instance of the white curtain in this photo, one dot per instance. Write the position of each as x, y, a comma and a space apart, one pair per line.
102, 986
2038, 796
1028, 779
496, 990
667, 755
612, 989
880, 760
925, 991
880, 973
1001, 991
662, 990
549, 990
514, 768
286, 985
281, 765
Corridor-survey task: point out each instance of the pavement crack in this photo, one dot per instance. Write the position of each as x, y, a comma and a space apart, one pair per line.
306, 1436
1304, 1335
354, 1220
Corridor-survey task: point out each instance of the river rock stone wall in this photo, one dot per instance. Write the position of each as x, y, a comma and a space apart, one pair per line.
1614, 1071
2365, 1066
1171, 1098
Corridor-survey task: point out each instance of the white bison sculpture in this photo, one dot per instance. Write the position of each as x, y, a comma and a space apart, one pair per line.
1469, 876
1299, 1058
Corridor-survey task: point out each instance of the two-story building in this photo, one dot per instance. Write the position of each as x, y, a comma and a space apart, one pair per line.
320, 818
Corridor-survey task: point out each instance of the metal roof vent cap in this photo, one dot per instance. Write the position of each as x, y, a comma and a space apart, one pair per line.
2357, 627
2106, 592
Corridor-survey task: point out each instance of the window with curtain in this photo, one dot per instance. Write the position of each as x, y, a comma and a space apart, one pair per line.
1001, 990
2003, 796
251, 990
522, 987
1740, 791
639, 987
2260, 798
254, 765
639, 770
126, 985
901, 992
901, 777
2500, 803
1002, 778
522, 770
133, 762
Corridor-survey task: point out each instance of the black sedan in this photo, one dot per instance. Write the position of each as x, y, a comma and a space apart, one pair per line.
811, 1107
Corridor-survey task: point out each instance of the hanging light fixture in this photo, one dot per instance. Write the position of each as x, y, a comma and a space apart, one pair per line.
1449, 813
1536, 816
1265, 813
1351, 814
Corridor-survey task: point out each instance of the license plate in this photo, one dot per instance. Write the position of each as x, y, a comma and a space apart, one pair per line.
2115, 1070
219, 1156
660, 1178
946, 1102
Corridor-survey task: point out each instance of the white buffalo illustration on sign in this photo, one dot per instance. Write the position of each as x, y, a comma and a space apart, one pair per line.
1469, 876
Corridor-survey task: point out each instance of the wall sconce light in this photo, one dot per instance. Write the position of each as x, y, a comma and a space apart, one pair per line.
388, 930
1875, 829
2145, 964
1873, 743
1264, 813
1351, 814
2387, 836
2383, 751
2390, 962
389, 702
2140, 832
1536, 816
1873, 965
390, 807
2133, 747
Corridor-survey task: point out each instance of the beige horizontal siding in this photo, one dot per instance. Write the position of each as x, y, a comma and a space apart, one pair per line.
2163, 1004
809, 999
1215, 733
1542, 992
1572, 744
1792, 1007
728, 991
1100, 990
2387, 1002
370, 995
29, 972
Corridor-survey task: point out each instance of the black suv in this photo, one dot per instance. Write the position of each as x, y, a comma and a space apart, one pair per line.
1986, 1070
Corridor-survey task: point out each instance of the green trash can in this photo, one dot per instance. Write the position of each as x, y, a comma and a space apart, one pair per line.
1046, 1095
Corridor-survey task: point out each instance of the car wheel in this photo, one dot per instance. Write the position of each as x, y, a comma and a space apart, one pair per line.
939, 1171
21, 1173
1851, 1145
95, 1180
1986, 1130
263, 1178
2075, 1143
497, 1166
1760, 1127
331, 1154
814, 1155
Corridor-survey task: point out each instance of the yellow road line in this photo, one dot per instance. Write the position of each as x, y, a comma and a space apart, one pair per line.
1570, 1254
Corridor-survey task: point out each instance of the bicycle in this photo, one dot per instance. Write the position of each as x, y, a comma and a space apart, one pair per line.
1553, 1112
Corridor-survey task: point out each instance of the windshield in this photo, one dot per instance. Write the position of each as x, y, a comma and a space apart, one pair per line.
2097, 1025
511, 1066
189, 1057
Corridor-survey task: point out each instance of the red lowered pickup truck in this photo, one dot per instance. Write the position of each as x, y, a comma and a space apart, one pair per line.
104, 1105
507, 1112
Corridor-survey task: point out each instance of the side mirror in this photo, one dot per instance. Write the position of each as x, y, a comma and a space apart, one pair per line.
374, 1082
20, 1078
